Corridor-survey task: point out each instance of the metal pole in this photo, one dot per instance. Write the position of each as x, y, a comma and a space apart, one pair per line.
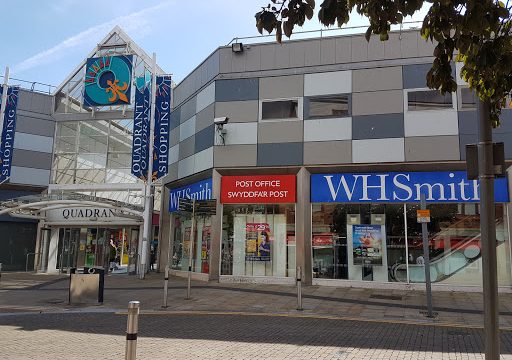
426, 259
488, 232
166, 285
0, 271
299, 288
148, 200
4, 101
191, 240
132, 327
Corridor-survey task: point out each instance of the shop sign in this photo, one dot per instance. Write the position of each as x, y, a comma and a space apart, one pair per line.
258, 189
8, 131
201, 190
108, 80
423, 216
396, 187
85, 214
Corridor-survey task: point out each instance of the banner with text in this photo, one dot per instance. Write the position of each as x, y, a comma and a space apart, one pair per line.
162, 127
258, 189
440, 186
140, 141
201, 190
8, 131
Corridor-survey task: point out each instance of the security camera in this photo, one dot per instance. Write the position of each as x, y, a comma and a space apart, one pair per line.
221, 120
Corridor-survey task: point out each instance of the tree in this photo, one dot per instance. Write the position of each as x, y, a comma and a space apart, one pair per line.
475, 32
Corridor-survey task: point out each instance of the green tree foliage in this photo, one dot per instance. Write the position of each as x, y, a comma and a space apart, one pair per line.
475, 32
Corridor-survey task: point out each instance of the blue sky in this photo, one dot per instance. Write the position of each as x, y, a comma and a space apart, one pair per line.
45, 40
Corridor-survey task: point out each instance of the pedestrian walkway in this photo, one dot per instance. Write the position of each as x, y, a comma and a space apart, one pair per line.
26, 292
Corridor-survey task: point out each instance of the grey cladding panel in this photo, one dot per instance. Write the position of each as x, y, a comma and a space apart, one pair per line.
280, 154
205, 117
32, 125
35, 102
463, 141
468, 122
188, 110
505, 122
505, 138
236, 90
175, 118
32, 159
187, 148
205, 138
415, 76
378, 126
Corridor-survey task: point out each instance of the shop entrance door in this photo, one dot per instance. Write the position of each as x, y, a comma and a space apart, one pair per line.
93, 250
68, 247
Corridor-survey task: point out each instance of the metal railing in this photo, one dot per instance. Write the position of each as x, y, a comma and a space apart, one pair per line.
32, 85
26, 260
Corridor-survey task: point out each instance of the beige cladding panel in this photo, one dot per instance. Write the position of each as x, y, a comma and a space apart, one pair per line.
238, 111
328, 152
432, 148
235, 155
281, 87
378, 102
280, 132
386, 78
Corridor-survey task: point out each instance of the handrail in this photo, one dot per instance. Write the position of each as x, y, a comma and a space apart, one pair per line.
26, 261
32, 85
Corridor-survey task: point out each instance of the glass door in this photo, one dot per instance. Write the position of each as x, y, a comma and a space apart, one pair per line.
68, 246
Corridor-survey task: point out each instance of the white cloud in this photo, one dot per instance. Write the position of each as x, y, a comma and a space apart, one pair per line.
138, 22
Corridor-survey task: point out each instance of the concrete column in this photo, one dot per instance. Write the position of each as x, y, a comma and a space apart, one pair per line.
164, 236
216, 237
37, 248
53, 251
303, 226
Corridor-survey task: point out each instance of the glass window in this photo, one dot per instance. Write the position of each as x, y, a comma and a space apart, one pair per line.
200, 246
327, 107
258, 240
281, 109
428, 100
358, 241
467, 99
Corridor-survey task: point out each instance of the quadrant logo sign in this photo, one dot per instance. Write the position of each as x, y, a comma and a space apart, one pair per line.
108, 81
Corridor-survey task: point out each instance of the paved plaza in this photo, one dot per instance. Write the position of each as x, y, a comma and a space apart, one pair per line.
227, 321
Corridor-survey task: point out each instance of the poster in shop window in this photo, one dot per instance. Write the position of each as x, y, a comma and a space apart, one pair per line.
367, 244
257, 244
186, 242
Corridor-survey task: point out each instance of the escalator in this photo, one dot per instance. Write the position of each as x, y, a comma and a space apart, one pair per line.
453, 249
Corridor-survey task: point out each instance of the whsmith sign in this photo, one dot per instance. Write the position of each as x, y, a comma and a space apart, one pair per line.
201, 190
449, 186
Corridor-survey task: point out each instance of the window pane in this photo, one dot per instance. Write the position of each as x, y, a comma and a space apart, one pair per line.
429, 100
96, 176
91, 161
285, 109
120, 136
468, 99
119, 161
93, 137
120, 176
328, 106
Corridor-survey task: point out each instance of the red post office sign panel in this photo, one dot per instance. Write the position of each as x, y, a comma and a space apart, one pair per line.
258, 189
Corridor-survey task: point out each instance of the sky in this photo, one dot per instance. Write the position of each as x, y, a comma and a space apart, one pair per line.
44, 41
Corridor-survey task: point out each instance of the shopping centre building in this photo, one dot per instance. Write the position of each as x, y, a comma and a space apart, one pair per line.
315, 150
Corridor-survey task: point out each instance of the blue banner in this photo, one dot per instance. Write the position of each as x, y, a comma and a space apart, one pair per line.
140, 141
399, 187
162, 127
201, 190
8, 131
108, 80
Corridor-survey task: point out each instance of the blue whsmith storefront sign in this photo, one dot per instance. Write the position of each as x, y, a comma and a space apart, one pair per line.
201, 190
448, 186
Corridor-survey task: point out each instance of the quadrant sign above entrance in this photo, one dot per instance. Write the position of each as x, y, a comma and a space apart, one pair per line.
108, 81
201, 190
258, 189
447, 186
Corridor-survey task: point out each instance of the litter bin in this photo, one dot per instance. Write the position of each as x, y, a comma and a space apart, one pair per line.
86, 287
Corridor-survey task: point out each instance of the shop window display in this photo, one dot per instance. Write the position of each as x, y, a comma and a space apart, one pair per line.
376, 242
258, 240
200, 246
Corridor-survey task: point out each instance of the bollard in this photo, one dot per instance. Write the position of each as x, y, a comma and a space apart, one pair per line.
166, 284
132, 327
299, 288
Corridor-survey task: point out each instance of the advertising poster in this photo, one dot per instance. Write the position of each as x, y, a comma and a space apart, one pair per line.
367, 244
257, 243
186, 242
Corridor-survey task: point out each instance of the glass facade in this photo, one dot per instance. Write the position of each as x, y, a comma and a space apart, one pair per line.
258, 240
200, 246
383, 243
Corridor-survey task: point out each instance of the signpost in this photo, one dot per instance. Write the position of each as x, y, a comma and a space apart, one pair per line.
423, 216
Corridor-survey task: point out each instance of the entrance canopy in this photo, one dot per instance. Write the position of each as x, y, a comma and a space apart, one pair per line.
69, 206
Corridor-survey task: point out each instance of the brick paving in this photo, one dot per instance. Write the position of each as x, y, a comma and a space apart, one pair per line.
242, 321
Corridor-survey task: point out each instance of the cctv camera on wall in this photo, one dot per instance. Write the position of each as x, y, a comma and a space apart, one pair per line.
221, 120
